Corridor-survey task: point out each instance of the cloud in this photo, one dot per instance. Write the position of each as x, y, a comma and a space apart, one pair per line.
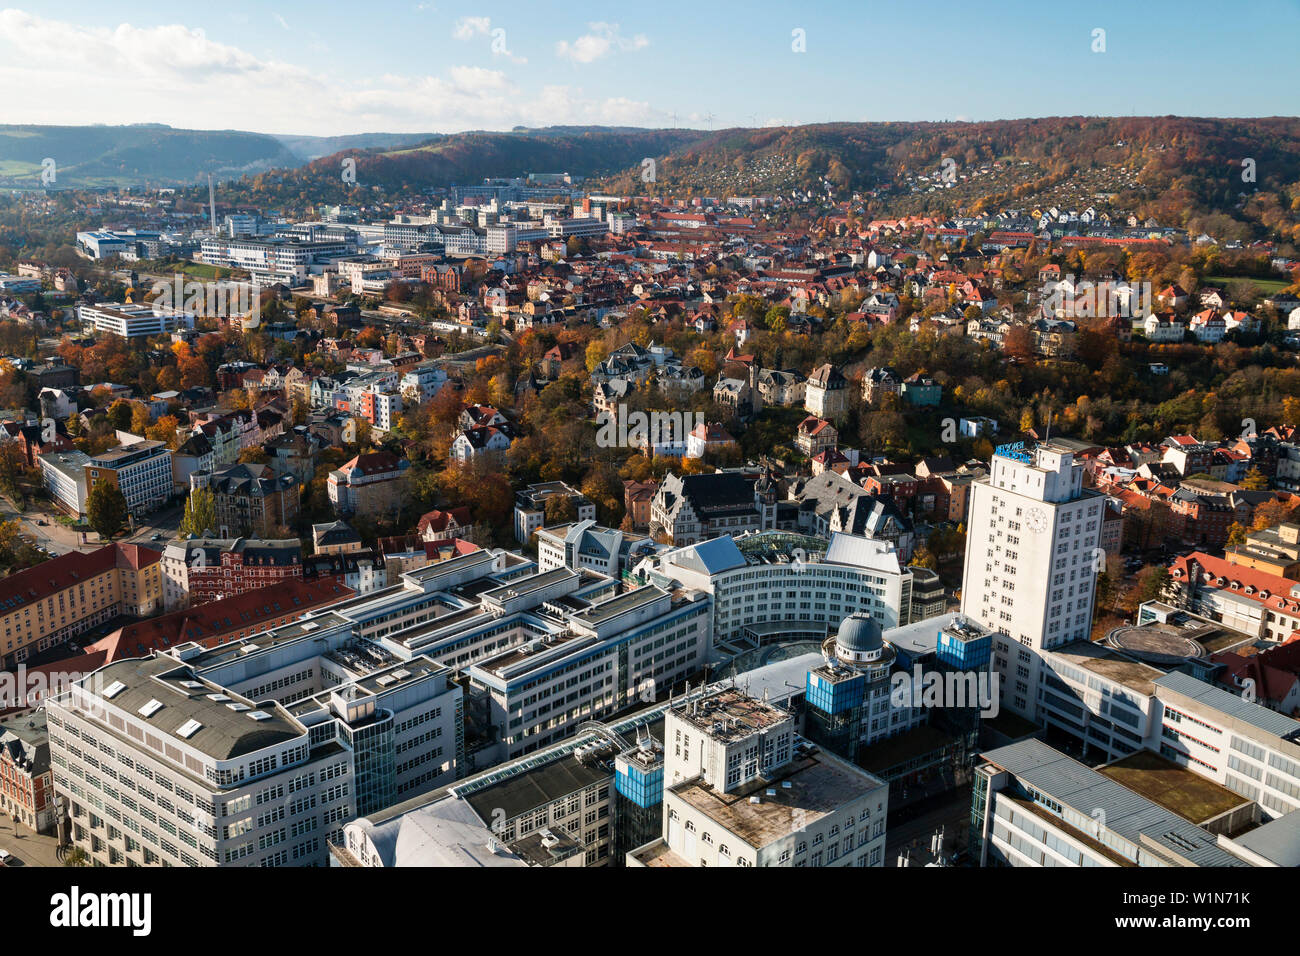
467, 28
282, 21
175, 74
603, 40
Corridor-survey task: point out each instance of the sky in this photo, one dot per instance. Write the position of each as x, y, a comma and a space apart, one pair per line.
331, 68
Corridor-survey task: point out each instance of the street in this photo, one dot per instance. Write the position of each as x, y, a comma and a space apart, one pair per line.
60, 539
27, 846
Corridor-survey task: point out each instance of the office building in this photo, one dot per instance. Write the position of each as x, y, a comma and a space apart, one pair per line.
142, 471
1031, 560
741, 790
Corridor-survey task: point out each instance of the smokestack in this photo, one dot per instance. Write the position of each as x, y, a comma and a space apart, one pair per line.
212, 205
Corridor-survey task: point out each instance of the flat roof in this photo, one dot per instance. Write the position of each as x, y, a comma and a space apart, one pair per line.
1175, 788
223, 733
818, 786
535, 788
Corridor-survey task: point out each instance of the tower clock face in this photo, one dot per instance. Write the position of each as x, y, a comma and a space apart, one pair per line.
1037, 520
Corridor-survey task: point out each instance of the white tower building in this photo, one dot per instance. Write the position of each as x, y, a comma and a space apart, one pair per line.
1032, 559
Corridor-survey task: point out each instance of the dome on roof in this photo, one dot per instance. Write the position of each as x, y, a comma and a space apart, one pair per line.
859, 634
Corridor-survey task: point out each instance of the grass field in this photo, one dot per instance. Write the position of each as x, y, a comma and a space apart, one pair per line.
1267, 286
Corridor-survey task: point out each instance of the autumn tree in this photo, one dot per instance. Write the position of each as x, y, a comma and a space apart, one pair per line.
200, 513
106, 509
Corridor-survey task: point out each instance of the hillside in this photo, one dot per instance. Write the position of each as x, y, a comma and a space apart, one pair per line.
91, 156
1180, 170
464, 158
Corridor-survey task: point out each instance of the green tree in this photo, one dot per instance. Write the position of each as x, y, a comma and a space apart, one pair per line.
200, 513
106, 509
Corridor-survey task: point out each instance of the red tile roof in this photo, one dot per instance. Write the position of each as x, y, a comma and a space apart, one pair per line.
218, 621
49, 577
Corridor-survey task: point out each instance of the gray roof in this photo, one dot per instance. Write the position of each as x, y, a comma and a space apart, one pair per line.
1277, 841
224, 734
443, 833
1084, 790
710, 557
1226, 702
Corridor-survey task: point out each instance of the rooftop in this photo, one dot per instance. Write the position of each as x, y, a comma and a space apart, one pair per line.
1175, 788
797, 796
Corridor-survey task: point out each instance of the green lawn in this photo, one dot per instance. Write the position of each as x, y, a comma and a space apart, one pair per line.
1267, 286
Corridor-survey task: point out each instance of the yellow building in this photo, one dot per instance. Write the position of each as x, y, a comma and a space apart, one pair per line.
56, 600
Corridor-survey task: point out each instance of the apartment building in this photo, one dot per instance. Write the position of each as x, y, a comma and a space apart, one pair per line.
198, 570
371, 484
250, 499
530, 507
47, 605
26, 778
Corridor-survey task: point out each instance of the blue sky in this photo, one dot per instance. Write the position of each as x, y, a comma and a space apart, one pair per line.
440, 66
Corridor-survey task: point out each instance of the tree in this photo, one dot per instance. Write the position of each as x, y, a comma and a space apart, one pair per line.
923, 558
106, 509
1236, 534
200, 513
1254, 480
139, 419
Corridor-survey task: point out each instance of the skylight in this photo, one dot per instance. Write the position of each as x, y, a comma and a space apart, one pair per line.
151, 708
113, 689
188, 729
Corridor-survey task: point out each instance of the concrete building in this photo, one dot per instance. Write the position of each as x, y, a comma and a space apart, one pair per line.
162, 767
142, 471
64, 475
1031, 561
1034, 806
585, 544
134, 320
740, 790
773, 586
530, 507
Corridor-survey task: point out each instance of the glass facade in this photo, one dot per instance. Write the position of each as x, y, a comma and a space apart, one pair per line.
376, 762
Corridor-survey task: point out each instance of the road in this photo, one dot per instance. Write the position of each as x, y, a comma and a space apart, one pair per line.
31, 848
60, 539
